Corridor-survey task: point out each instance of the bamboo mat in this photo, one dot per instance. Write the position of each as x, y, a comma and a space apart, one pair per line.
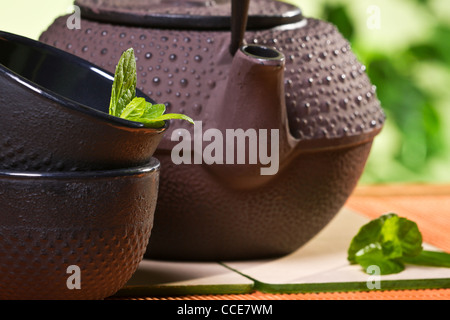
428, 206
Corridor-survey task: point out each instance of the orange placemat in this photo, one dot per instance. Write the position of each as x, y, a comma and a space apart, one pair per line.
428, 294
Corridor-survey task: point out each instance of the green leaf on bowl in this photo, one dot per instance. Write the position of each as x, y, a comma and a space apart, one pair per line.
135, 109
124, 84
126, 105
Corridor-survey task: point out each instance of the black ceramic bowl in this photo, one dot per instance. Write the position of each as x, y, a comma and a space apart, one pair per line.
54, 108
59, 230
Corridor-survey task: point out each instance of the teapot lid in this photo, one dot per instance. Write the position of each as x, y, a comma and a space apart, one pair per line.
188, 14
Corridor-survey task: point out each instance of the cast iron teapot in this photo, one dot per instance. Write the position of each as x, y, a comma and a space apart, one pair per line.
285, 118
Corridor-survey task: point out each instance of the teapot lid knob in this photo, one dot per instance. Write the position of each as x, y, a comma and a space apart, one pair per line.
239, 15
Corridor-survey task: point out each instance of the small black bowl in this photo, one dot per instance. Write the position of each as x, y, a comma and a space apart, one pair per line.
74, 235
54, 113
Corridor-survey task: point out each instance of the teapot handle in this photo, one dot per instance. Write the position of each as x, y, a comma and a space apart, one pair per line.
239, 15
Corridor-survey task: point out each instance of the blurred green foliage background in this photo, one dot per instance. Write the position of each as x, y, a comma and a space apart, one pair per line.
405, 45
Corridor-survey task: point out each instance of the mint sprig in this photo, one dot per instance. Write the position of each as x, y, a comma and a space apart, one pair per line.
124, 103
124, 84
390, 242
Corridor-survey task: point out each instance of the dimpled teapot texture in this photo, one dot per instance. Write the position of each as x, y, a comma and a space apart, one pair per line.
331, 109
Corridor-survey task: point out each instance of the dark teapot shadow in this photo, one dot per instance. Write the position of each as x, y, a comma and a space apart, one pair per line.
55, 113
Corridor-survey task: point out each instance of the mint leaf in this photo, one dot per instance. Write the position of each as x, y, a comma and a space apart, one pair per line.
373, 255
153, 115
169, 116
153, 110
126, 105
367, 236
385, 242
157, 122
135, 109
390, 242
149, 115
124, 84
430, 258
400, 237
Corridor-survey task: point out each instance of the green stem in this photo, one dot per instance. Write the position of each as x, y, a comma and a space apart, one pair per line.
430, 258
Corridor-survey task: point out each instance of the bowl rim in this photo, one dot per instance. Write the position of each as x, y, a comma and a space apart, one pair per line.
51, 95
152, 166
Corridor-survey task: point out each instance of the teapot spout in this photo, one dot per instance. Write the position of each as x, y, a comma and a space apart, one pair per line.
253, 102
254, 97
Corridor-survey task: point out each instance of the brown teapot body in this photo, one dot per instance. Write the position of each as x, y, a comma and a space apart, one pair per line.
292, 83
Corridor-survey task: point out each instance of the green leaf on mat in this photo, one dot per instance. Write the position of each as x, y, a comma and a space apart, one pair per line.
389, 242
